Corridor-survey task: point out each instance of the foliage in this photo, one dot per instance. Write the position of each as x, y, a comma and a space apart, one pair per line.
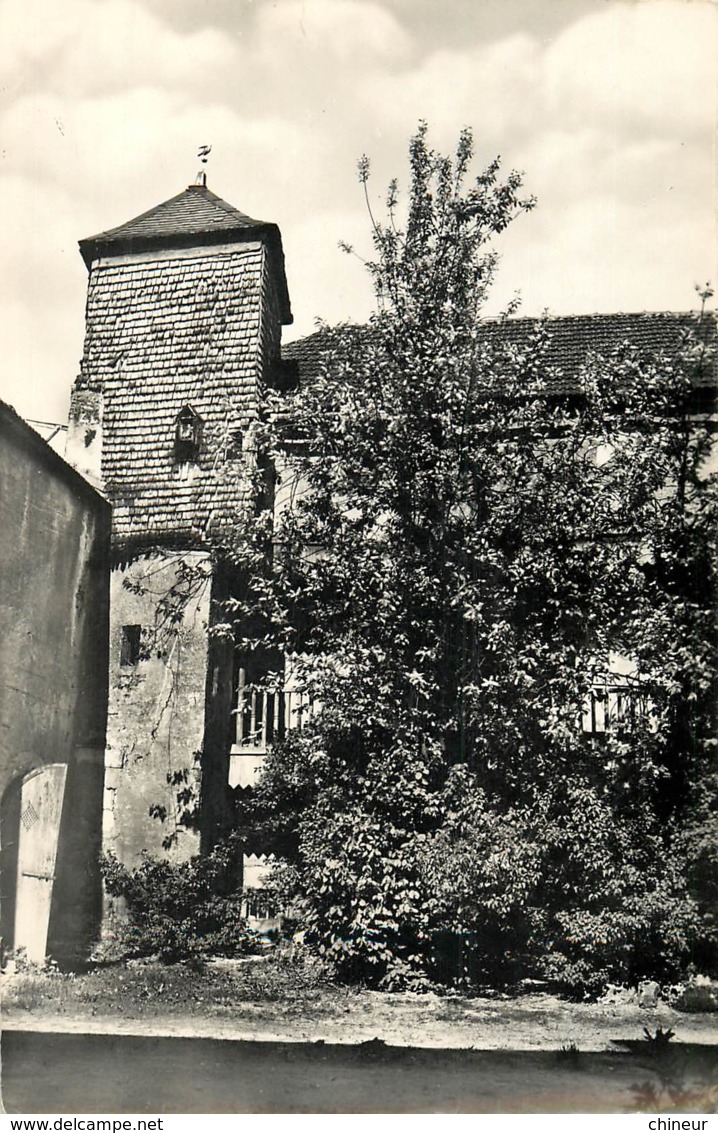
184, 813
182, 911
467, 553
661, 1037
561, 888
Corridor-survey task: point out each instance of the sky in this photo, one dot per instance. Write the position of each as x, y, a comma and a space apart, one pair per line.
607, 106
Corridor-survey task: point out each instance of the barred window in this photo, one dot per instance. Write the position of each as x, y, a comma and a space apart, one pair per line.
619, 701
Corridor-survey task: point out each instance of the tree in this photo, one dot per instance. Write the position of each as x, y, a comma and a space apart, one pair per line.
468, 550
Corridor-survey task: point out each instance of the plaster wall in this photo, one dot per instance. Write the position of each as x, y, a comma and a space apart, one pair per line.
157, 703
54, 571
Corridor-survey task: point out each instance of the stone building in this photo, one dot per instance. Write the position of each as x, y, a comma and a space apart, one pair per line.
184, 313
54, 570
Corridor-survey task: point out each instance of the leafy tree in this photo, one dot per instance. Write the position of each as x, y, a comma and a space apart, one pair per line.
470, 545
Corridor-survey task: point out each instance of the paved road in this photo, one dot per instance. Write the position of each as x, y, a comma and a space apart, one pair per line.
66, 1073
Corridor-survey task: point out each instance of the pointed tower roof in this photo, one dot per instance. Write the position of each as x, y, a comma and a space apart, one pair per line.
196, 217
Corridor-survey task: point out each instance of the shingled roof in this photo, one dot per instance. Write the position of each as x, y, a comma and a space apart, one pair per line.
572, 337
195, 217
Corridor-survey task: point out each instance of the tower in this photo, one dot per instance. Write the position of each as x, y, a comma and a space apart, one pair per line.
185, 306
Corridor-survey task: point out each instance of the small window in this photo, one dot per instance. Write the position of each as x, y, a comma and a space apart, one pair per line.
188, 436
130, 645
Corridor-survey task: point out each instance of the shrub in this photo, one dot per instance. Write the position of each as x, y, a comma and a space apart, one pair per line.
557, 887
182, 911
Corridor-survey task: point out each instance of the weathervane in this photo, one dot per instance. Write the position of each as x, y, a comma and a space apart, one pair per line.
203, 154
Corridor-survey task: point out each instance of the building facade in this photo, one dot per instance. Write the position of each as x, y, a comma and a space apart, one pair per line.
184, 314
185, 310
54, 571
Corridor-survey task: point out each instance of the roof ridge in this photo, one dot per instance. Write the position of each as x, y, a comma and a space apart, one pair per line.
570, 338
687, 313
187, 223
228, 208
512, 320
134, 219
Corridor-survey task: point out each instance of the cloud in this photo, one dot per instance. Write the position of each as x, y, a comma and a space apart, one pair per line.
627, 68
607, 105
86, 48
607, 254
613, 123
486, 86
637, 66
355, 33
314, 259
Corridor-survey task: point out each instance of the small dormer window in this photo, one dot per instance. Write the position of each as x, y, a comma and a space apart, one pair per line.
188, 436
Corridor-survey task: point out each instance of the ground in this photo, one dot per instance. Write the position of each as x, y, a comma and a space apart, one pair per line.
284, 999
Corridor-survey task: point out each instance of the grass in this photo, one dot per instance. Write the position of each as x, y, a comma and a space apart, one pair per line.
569, 1055
176, 989
452, 1011
28, 993
278, 995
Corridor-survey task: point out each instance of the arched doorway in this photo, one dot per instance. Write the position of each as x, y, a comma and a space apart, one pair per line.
29, 830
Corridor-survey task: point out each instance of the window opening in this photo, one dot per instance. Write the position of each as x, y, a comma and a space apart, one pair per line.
188, 436
620, 701
259, 709
130, 645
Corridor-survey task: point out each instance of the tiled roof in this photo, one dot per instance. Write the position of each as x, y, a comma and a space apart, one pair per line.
195, 217
571, 339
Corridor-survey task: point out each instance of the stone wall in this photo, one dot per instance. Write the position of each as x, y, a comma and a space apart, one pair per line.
54, 556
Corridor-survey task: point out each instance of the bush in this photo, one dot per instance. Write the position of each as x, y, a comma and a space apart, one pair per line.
558, 888
182, 911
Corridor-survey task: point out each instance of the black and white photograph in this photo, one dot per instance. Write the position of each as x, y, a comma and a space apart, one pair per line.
358, 559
